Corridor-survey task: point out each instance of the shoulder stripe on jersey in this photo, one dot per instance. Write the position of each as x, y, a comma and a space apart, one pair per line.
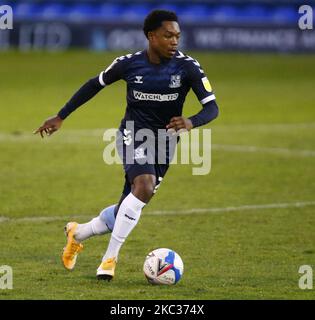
181, 55
188, 58
111, 65
100, 79
207, 99
121, 58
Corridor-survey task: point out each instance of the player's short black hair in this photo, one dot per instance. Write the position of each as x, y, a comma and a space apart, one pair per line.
155, 19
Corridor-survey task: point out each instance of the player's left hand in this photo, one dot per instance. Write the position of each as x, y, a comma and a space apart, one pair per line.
180, 123
51, 125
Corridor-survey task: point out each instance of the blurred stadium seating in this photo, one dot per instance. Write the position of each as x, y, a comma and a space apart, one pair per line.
246, 12
251, 25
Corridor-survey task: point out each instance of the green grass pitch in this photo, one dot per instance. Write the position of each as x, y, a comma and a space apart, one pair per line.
263, 154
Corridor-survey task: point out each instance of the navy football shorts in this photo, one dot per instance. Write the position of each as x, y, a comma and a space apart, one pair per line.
137, 161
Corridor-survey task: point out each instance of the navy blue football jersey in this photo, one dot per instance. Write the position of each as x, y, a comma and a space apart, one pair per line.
157, 92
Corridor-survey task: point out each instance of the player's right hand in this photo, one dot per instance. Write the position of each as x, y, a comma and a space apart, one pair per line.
51, 125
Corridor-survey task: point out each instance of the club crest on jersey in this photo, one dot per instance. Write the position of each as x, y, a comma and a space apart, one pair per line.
175, 81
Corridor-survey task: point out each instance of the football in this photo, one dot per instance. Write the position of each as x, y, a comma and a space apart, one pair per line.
163, 266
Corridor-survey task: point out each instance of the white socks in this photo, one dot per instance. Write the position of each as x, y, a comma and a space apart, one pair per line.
127, 217
97, 226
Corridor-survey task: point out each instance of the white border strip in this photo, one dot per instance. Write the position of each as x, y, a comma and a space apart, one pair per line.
207, 99
298, 204
100, 79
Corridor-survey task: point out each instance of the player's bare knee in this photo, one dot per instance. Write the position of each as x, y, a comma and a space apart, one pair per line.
143, 187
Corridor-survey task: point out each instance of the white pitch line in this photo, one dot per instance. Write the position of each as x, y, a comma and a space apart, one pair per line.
264, 127
98, 132
255, 149
41, 219
298, 204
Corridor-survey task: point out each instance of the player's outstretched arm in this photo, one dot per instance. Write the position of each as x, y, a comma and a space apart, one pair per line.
85, 93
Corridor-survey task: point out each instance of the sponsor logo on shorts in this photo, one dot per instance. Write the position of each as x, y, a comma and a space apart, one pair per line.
139, 153
127, 137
